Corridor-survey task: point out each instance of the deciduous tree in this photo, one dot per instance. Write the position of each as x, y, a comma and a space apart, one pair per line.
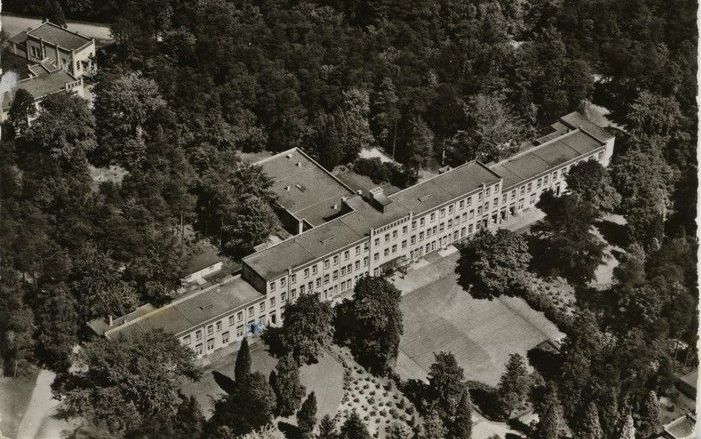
492, 264
591, 183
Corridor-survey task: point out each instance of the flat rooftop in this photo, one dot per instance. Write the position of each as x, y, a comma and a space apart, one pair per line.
192, 310
542, 158
355, 226
303, 187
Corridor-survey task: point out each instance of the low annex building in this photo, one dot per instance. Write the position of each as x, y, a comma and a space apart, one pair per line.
340, 236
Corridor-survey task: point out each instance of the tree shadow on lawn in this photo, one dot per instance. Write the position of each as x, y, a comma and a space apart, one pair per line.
614, 234
227, 384
546, 362
290, 431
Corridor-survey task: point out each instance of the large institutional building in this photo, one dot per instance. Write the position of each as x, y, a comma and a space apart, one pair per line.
340, 235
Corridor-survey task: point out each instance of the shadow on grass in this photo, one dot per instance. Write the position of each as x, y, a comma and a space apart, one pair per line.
546, 362
614, 234
290, 431
223, 381
485, 398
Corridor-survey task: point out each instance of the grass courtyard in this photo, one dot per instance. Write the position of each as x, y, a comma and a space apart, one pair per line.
481, 334
325, 379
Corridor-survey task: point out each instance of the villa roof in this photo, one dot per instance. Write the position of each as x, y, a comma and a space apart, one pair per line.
54, 34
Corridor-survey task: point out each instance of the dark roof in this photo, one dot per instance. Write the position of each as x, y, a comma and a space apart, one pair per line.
54, 34
194, 309
303, 187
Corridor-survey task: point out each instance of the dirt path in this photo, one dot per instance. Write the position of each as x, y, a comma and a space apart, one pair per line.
37, 421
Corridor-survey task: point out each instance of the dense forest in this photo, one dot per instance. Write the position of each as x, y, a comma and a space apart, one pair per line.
188, 85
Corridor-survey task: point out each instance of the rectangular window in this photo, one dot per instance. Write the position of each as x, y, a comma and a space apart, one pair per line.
461, 205
450, 209
394, 234
335, 274
210, 344
318, 282
530, 186
377, 241
433, 216
405, 229
225, 337
231, 320
376, 257
283, 298
239, 316
357, 265
272, 302
250, 311
293, 279
357, 250
186, 339
272, 286
346, 255
282, 282
326, 278
315, 269
218, 325
306, 273
293, 294
302, 289
327, 264
413, 239
421, 236
335, 260
394, 248
386, 237
468, 200
210, 329
423, 221
404, 244
239, 331
386, 252
366, 246
198, 349
442, 212
365, 261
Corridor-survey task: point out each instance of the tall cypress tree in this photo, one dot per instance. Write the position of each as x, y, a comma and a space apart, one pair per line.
306, 416
461, 427
327, 428
550, 416
626, 429
242, 368
649, 413
590, 428
289, 391
354, 428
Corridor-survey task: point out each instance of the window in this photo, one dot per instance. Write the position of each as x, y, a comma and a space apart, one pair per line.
413, 225
423, 221
198, 349
346, 255
318, 282
306, 273
293, 294
486, 192
272, 302
239, 316
421, 236
545, 179
386, 237
394, 234
326, 278
461, 204
413, 239
283, 298
315, 269
272, 286
239, 331
218, 324
282, 282
394, 248
343, 271
365, 261
231, 320
442, 212
327, 264
357, 265
293, 279
523, 190
539, 183
302, 289
210, 329
366, 246
405, 229
250, 311
468, 200
472, 213
335, 260
376, 257
225, 337
377, 241
357, 250
404, 244
495, 202
450, 209
433, 216
210, 344
186, 339
335, 274
386, 252
450, 223
530, 186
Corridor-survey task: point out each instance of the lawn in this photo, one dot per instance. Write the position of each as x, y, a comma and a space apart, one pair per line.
324, 378
15, 394
480, 333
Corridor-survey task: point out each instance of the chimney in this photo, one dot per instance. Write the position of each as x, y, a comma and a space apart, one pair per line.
110, 320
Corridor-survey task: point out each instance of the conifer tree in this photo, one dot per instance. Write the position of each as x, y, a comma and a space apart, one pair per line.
242, 368
514, 385
461, 427
354, 428
591, 427
626, 429
327, 428
289, 391
649, 413
550, 416
306, 416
